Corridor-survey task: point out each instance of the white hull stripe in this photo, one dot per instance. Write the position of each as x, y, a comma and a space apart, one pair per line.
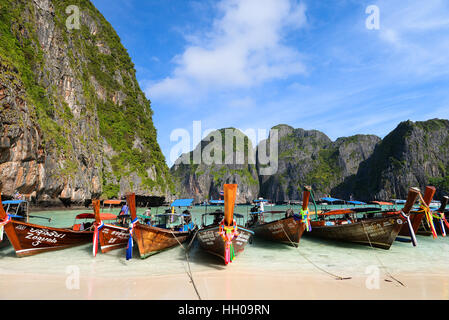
34, 249
114, 245
116, 227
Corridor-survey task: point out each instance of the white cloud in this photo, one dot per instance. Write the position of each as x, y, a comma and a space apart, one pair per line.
418, 33
243, 49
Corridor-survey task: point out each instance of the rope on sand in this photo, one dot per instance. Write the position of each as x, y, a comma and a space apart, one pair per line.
310, 261
186, 250
378, 259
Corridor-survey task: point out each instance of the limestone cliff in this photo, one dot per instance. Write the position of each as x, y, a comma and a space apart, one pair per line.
413, 154
309, 157
204, 181
74, 122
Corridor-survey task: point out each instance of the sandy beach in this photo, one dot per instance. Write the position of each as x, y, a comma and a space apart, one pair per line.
218, 285
265, 270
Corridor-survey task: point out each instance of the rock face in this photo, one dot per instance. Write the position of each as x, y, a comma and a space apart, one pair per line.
362, 167
74, 122
413, 154
309, 157
204, 181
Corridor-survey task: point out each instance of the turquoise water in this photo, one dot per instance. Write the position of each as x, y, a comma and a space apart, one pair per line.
66, 218
346, 260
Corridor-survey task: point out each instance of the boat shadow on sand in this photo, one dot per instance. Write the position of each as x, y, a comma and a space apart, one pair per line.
268, 245
201, 257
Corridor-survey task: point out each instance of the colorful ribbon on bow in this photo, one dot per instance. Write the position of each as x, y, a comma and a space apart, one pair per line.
425, 208
96, 239
4, 222
228, 233
410, 228
443, 222
129, 248
305, 217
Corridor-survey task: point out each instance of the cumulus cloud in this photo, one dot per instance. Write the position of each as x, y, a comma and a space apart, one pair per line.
243, 49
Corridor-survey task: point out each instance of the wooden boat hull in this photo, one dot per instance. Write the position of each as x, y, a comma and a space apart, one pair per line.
151, 240
113, 237
211, 241
29, 239
286, 230
378, 232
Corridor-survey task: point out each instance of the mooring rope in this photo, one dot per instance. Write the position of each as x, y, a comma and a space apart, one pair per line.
189, 273
378, 259
310, 261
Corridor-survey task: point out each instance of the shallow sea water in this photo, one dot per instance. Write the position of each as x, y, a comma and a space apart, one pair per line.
430, 257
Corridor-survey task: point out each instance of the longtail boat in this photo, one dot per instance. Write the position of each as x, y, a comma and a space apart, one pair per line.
109, 236
286, 230
29, 239
225, 238
367, 226
417, 217
170, 230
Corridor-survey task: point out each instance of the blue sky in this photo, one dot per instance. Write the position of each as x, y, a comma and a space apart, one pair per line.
307, 63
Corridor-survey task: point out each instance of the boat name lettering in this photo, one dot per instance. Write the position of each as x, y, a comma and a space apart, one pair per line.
120, 234
275, 227
43, 235
46, 232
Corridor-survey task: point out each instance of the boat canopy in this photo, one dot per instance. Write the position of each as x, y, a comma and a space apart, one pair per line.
170, 215
113, 201
182, 203
382, 203
336, 212
103, 216
356, 202
260, 200
328, 199
13, 201
237, 215
15, 216
217, 201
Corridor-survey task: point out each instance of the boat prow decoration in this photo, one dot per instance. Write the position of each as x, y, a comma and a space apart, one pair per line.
414, 220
